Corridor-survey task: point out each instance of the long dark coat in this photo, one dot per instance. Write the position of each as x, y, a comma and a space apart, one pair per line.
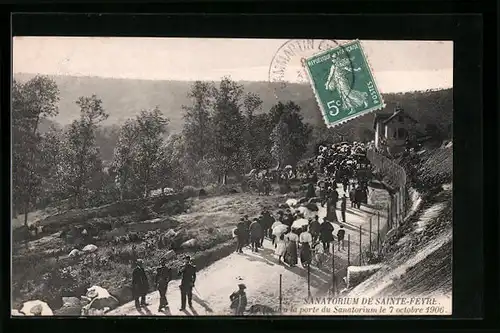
256, 231
140, 285
325, 233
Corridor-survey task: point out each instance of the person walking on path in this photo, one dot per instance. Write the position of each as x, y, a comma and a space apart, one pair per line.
280, 247
326, 235
188, 274
352, 197
247, 222
262, 221
305, 241
340, 237
290, 256
269, 220
255, 235
163, 277
140, 284
345, 184
315, 227
358, 195
343, 207
239, 300
331, 205
240, 235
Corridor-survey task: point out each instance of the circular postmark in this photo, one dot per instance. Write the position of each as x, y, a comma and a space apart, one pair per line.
288, 63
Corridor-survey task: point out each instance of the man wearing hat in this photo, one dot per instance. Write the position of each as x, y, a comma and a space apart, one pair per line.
163, 276
256, 233
239, 300
240, 235
140, 285
247, 223
188, 273
343, 207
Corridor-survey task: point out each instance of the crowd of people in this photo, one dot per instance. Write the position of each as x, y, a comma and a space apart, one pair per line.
293, 236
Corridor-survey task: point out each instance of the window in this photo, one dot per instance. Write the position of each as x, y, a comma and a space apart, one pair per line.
400, 119
402, 133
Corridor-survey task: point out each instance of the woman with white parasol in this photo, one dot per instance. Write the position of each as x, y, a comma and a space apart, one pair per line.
279, 230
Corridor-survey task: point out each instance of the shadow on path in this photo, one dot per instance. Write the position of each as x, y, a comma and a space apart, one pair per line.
203, 303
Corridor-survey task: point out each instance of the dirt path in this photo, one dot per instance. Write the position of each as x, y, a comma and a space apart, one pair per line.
261, 274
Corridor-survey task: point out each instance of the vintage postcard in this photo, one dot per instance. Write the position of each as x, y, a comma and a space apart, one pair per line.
238, 177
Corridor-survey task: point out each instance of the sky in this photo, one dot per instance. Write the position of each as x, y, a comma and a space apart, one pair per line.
398, 66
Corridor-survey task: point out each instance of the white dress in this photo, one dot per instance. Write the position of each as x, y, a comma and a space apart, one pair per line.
280, 248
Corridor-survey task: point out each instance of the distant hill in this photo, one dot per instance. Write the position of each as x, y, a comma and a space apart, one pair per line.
125, 98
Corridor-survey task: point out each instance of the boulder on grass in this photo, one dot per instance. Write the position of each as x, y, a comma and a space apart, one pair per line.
75, 253
170, 233
358, 274
89, 248
72, 306
36, 308
189, 244
169, 255
100, 299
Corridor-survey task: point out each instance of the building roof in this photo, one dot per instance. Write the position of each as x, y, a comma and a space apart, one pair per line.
398, 113
380, 117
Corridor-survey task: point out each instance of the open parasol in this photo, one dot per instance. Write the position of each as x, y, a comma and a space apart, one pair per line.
280, 230
299, 223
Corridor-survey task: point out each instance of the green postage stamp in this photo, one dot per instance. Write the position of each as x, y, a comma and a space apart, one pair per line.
343, 83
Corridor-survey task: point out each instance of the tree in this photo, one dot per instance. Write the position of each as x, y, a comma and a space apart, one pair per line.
82, 162
298, 131
31, 102
196, 130
151, 127
174, 162
228, 122
252, 138
281, 149
123, 157
50, 172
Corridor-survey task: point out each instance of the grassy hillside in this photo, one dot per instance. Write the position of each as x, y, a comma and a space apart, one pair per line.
124, 98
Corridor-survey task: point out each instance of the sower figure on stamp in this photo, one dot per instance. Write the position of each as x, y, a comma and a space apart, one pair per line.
140, 284
188, 273
163, 277
338, 79
239, 300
